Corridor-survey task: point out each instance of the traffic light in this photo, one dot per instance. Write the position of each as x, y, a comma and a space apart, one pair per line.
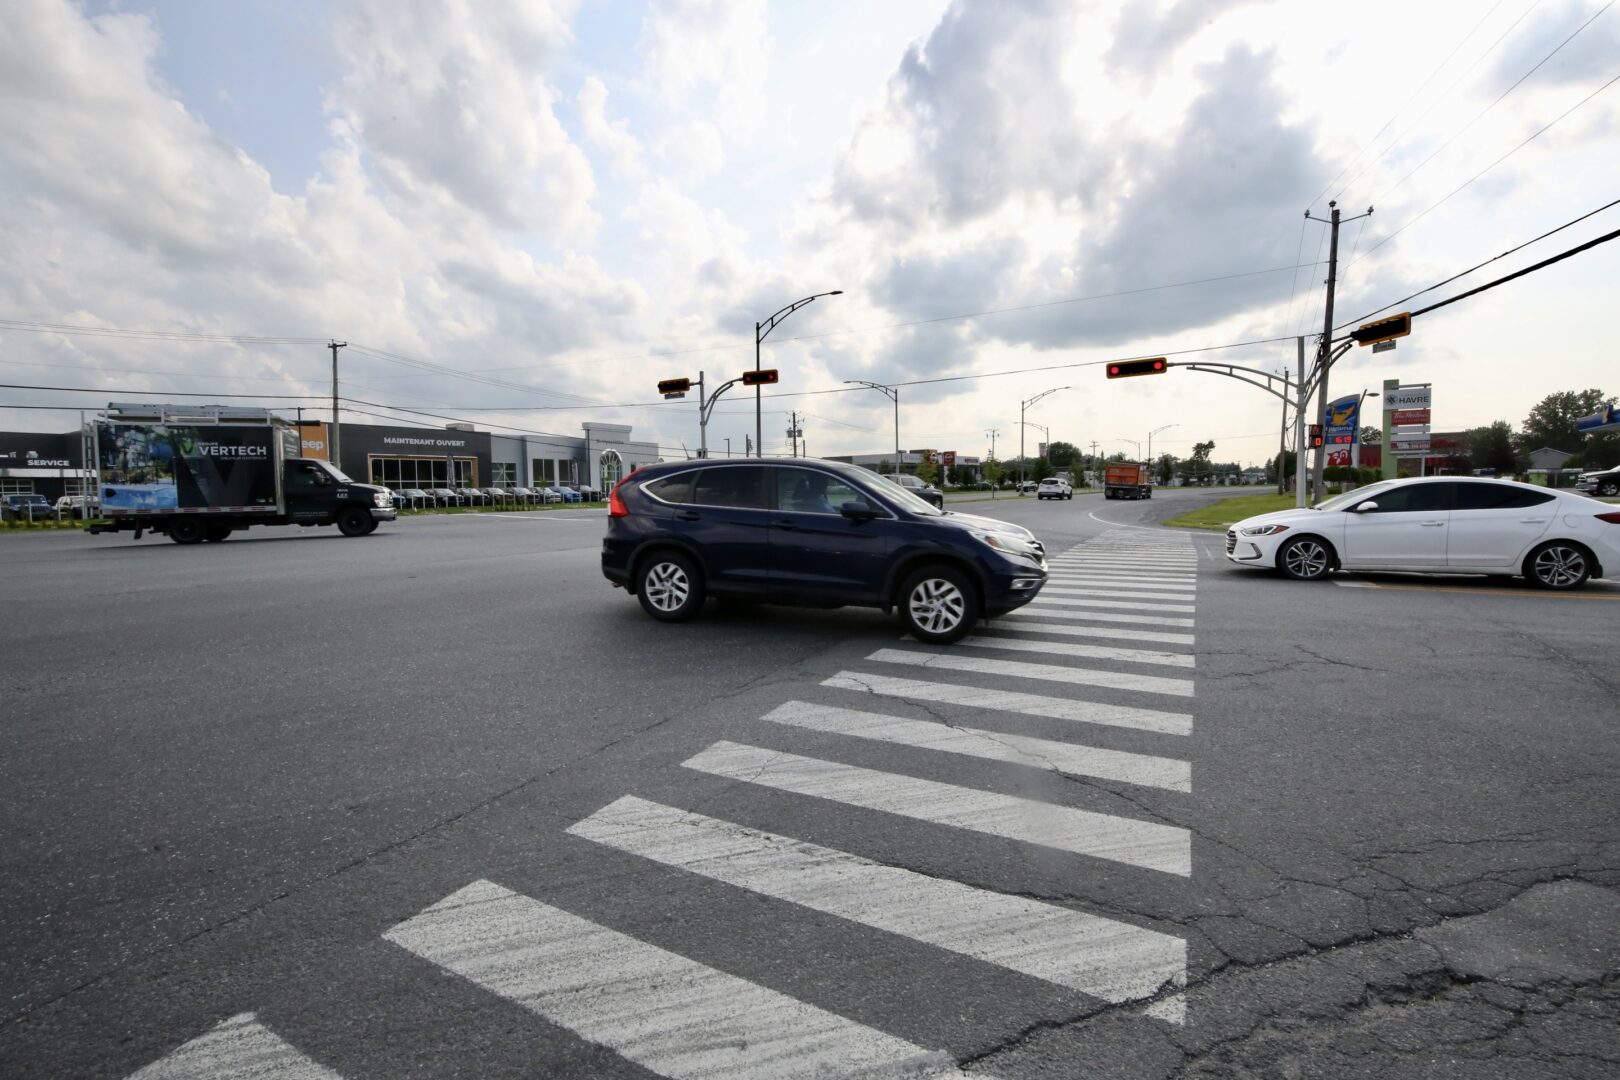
759, 378
1382, 329
674, 386
1316, 435
1124, 369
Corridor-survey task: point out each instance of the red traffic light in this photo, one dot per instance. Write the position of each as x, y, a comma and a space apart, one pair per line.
759, 378
1316, 434
1125, 369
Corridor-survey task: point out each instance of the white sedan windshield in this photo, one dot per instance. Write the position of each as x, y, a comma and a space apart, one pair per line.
1350, 498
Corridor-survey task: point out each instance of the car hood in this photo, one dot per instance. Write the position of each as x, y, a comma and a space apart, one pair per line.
989, 524
1281, 517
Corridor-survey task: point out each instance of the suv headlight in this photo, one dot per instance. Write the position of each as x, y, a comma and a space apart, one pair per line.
1263, 530
1009, 545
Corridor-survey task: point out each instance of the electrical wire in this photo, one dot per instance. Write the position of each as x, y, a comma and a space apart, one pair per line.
1493, 165
165, 393
70, 329
1481, 265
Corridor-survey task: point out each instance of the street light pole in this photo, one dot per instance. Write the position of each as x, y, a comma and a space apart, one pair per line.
893, 392
1022, 406
762, 330
1152, 433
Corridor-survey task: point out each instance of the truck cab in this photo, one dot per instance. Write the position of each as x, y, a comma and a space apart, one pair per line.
319, 493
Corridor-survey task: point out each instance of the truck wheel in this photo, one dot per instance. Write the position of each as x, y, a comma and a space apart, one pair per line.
186, 530
354, 521
216, 531
938, 605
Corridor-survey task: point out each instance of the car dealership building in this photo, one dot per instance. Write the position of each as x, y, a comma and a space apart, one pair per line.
53, 465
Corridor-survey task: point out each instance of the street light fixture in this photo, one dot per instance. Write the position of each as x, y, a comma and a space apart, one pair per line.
1022, 406
1154, 432
762, 330
893, 392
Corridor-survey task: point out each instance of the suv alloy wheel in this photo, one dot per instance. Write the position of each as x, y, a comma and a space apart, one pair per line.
669, 587
938, 605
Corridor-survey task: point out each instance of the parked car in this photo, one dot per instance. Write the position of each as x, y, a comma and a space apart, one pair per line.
446, 496
1455, 525
917, 486
416, 497
27, 507
1054, 488
472, 496
79, 506
1025, 487
495, 494
523, 494
590, 494
1604, 483
812, 533
566, 494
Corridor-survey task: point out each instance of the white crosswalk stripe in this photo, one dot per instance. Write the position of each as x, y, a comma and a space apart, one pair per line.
661, 1010
1028, 624
1115, 680
1036, 609
1130, 605
1084, 712
1070, 759
1070, 648
240, 1048
1183, 584
1103, 836
1062, 589
1102, 957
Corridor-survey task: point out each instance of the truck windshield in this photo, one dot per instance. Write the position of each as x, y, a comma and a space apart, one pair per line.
337, 474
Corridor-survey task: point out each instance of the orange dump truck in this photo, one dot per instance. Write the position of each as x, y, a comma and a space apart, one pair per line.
1127, 480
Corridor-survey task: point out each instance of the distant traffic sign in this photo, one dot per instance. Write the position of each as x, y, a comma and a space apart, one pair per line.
1384, 346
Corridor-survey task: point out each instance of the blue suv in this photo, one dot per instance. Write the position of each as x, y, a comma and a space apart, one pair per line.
814, 534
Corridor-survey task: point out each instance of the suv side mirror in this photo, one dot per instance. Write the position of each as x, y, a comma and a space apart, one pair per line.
858, 510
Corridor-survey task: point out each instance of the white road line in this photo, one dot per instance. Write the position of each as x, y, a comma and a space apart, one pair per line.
1115, 680
1104, 958
1071, 648
663, 1011
1091, 577
979, 697
1063, 601
1121, 569
239, 1047
1069, 759
1036, 609
1162, 566
1065, 589
1103, 836
1026, 625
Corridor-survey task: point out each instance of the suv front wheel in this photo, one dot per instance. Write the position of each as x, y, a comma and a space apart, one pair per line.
669, 587
938, 605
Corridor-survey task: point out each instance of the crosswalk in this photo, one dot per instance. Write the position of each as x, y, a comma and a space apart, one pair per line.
1106, 646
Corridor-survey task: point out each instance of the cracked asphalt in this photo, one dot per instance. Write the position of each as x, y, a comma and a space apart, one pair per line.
229, 769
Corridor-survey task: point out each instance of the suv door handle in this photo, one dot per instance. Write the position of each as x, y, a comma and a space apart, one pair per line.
788, 525
688, 515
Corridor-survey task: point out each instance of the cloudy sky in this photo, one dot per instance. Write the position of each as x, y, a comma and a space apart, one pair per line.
528, 213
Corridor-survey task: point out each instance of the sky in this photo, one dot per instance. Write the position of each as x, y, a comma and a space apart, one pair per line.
527, 214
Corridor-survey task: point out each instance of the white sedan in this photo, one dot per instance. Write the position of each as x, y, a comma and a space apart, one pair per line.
1447, 524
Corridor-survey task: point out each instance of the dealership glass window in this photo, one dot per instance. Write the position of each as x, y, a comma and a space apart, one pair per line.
545, 471
16, 487
611, 467
505, 473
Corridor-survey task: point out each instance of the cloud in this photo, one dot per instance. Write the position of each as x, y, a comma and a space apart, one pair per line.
710, 55
611, 137
452, 103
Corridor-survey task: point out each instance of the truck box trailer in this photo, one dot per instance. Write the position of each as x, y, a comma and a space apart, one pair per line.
202, 472
1127, 480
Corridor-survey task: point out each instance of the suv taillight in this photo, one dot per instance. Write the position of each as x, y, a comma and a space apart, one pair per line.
616, 507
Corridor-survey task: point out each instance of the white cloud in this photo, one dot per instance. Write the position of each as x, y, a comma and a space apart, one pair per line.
611, 137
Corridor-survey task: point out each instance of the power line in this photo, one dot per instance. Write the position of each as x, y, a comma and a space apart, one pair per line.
164, 393
71, 329
1493, 164
1459, 132
1477, 266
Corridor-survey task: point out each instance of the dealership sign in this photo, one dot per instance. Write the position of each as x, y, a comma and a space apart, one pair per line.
1407, 397
1409, 416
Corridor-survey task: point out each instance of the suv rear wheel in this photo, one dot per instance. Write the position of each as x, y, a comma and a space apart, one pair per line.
938, 605
669, 587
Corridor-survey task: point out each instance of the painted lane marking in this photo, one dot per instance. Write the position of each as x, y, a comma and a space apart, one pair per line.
239, 1047
1071, 648
1065, 602
1188, 584
1102, 836
1114, 680
978, 697
1102, 957
1067, 589
1068, 759
1026, 624
663, 1011
1036, 609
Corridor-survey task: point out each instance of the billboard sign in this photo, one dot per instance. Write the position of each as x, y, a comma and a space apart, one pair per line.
1409, 416
312, 440
950, 457
173, 467
1407, 397
1343, 420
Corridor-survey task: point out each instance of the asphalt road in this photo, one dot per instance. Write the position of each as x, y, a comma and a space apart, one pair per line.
441, 802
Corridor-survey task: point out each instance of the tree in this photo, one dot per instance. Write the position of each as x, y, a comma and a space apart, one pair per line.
1062, 455
1552, 421
1199, 463
993, 472
1492, 448
1040, 469
1166, 467
1371, 436
927, 472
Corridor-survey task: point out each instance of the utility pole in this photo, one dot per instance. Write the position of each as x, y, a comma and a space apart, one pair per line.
1324, 349
335, 456
1282, 443
1299, 428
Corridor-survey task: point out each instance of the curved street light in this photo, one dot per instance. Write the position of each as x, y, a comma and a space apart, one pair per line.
762, 330
1154, 432
1022, 406
893, 392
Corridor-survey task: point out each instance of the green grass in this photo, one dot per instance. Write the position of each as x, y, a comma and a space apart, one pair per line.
1220, 514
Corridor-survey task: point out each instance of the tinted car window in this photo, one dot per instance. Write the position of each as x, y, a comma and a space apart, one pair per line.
1414, 498
1498, 497
806, 491
735, 485
673, 489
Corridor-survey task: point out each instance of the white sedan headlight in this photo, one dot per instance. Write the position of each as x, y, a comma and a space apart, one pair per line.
1263, 530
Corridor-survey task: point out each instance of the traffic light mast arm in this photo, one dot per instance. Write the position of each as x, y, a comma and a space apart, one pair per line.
708, 406
1248, 375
